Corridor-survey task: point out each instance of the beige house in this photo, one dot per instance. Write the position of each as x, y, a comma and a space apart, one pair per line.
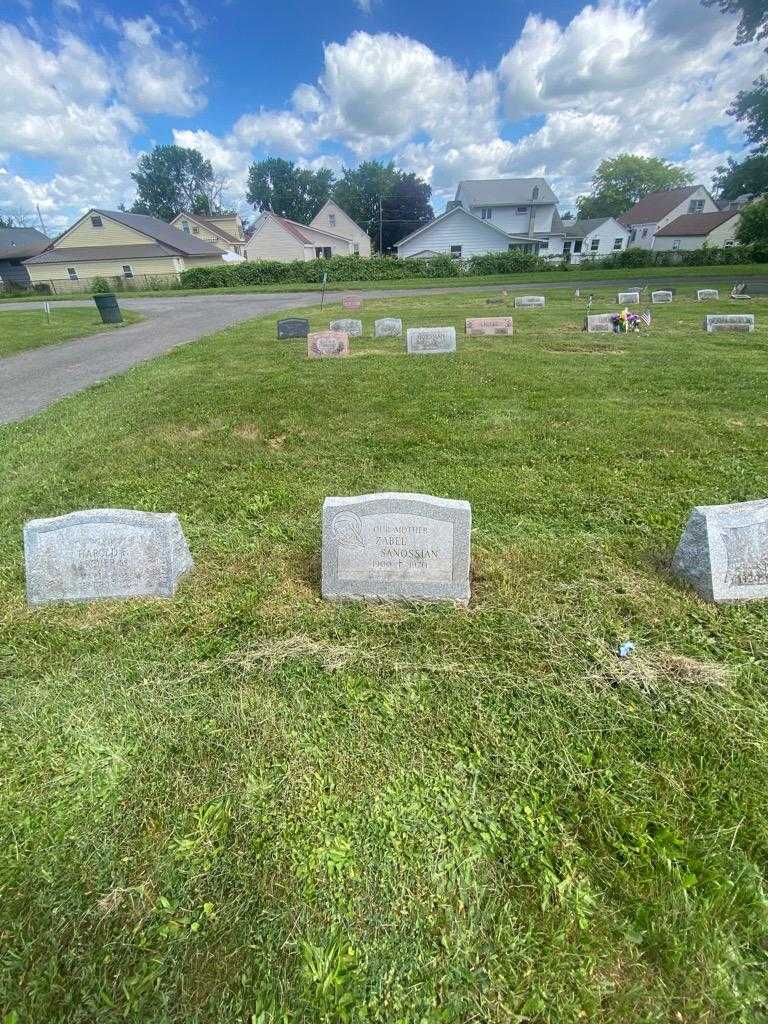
277, 238
116, 245
692, 231
225, 231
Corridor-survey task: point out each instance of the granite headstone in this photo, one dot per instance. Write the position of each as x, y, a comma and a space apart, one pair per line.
480, 325
388, 327
600, 323
327, 343
628, 298
391, 546
352, 302
353, 328
658, 297
707, 293
743, 322
530, 301
430, 340
292, 327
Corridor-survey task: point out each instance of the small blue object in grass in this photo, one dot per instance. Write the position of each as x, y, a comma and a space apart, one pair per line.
626, 649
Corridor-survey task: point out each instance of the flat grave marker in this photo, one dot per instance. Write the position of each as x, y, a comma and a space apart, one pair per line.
388, 327
662, 296
352, 302
396, 546
430, 340
628, 298
723, 552
530, 301
292, 327
485, 325
327, 343
743, 322
353, 328
104, 553
707, 293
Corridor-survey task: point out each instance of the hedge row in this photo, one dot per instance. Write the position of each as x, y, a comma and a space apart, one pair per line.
383, 268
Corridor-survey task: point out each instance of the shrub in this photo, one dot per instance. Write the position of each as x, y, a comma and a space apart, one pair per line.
100, 286
42, 288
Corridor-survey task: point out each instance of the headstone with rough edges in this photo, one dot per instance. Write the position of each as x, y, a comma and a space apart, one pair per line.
743, 322
388, 327
391, 546
430, 340
353, 328
352, 302
628, 298
327, 343
480, 325
600, 323
104, 553
723, 552
662, 296
707, 293
292, 327
530, 301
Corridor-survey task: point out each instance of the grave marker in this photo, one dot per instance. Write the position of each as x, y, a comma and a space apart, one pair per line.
292, 327
600, 323
723, 552
389, 327
530, 301
744, 322
430, 340
707, 293
352, 302
483, 325
628, 298
104, 553
657, 297
353, 328
327, 343
391, 546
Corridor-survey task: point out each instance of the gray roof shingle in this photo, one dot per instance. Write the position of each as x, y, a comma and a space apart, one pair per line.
507, 192
182, 242
20, 243
68, 254
696, 224
656, 205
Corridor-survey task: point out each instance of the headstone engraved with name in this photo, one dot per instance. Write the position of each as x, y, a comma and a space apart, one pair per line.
327, 343
600, 323
354, 328
292, 327
723, 552
530, 301
657, 297
707, 293
391, 546
483, 325
104, 553
744, 322
352, 302
389, 327
430, 340
628, 298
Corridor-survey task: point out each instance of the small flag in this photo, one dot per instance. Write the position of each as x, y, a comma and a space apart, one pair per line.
646, 317
590, 300
577, 293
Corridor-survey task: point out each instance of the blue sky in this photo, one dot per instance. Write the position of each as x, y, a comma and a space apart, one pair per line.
449, 90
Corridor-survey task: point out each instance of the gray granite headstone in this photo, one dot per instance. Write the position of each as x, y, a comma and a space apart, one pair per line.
628, 298
390, 546
352, 328
657, 297
744, 322
389, 327
707, 293
104, 553
530, 301
427, 340
292, 327
600, 323
723, 552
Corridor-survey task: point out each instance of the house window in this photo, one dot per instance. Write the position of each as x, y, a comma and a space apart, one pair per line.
486, 213
522, 209
536, 193
455, 252
96, 221
617, 243
577, 245
72, 273
322, 253
357, 249
127, 270
645, 232
185, 226
567, 245
728, 244
696, 206
545, 243
332, 220
595, 244
632, 235
676, 245
195, 231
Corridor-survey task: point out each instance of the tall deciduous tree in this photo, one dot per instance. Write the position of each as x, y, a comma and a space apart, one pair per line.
173, 179
621, 182
290, 191
733, 179
753, 224
753, 17
404, 198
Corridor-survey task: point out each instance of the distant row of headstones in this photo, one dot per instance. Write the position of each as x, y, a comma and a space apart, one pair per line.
387, 546
599, 323
335, 341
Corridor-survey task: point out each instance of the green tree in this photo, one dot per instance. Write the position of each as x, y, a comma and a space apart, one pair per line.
621, 182
290, 191
173, 179
753, 224
735, 179
404, 198
753, 17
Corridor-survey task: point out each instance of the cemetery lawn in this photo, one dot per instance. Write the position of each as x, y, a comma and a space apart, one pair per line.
246, 804
25, 329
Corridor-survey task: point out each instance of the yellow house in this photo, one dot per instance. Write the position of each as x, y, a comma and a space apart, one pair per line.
128, 246
332, 218
225, 230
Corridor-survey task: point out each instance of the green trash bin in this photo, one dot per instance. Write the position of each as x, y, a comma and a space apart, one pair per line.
108, 307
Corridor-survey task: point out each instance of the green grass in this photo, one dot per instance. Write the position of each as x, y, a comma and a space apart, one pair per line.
25, 329
249, 805
729, 274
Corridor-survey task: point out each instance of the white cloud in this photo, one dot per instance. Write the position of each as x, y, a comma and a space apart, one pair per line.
366, 6
159, 79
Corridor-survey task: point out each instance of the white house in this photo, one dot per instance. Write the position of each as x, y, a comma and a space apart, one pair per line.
332, 218
658, 209
594, 238
492, 216
277, 238
224, 230
692, 231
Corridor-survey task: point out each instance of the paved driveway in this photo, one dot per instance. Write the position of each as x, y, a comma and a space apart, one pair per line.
31, 381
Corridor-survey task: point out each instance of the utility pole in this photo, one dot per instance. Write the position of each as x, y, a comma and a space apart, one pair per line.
381, 229
40, 217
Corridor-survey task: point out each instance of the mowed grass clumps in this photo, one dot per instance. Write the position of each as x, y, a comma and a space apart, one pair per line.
32, 328
247, 804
